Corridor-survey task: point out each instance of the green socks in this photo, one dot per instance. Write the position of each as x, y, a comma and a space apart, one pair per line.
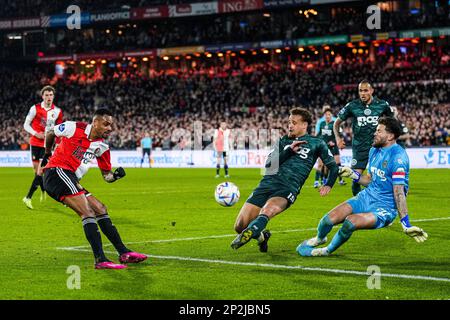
258, 225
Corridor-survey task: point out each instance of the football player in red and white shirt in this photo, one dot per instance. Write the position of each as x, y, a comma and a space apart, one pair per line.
80, 144
41, 118
222, 146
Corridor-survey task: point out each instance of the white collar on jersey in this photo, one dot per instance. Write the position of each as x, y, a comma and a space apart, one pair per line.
43, 105
88, 129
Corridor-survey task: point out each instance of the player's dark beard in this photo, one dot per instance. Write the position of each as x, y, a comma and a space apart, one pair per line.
379, 144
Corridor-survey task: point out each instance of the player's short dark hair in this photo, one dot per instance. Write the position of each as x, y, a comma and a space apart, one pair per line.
102, 112
47, 88
392, 126
327, 110
305, 114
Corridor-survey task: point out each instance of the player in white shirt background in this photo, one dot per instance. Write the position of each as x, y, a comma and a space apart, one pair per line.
41, 118
222, 147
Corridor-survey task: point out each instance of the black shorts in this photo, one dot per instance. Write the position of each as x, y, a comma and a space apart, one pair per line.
60, 184
222, 154
267, 189
146, 151
37, 153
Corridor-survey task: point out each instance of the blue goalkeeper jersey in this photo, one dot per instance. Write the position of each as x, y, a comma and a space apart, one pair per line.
388, 166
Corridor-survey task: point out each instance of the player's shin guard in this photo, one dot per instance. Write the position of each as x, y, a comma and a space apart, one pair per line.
110, 231
258, 225
226, 169
344, 233
34, 186
324, 227
95, 240
218, 169
356, 188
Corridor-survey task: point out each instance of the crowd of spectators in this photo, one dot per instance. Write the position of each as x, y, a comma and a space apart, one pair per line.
238, 27
248, 97
286, 24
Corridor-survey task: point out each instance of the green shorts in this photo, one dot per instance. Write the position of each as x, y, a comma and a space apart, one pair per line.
359, 159
267, 189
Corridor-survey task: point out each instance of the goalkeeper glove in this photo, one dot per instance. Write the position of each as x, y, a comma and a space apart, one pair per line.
349, 173
414, 232
119, 173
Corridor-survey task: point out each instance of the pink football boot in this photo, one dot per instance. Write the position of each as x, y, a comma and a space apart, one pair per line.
109, 265
132, 257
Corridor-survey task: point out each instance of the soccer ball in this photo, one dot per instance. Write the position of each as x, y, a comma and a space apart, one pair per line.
227, 194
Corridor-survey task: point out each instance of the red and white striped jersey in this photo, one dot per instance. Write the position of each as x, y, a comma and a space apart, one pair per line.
41, 120
222, 140
75, 151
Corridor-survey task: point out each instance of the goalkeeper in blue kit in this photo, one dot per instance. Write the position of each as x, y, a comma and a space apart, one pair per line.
378, 205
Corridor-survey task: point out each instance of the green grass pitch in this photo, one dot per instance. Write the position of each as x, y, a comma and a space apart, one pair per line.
171, 215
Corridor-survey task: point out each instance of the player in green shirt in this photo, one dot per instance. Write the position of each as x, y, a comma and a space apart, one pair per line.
365, 113
325, 132
401, 141
287, 168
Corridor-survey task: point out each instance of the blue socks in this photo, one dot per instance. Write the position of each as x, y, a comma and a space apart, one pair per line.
344, 233
258, 225
324, 227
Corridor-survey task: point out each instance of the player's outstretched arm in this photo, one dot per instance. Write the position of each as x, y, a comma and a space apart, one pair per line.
362, 179
333, 171
49, 141
400, 200
336, 129
110, 176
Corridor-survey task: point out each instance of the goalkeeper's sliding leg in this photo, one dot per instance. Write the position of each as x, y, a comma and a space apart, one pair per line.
353, 217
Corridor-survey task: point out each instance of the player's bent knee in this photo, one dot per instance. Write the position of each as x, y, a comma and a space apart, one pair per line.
102, 209
340, 213
349, 225
271, 210
87, 215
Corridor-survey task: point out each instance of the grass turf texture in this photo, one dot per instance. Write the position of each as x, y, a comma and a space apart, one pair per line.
159, 204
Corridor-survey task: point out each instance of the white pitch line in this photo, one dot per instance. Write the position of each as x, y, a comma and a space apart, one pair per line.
432, 219
227, 235
282, 266
189, 239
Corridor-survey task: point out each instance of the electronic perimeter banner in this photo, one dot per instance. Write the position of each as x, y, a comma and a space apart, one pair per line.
420, 158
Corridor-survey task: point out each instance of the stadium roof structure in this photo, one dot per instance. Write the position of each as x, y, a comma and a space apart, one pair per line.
302, 42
